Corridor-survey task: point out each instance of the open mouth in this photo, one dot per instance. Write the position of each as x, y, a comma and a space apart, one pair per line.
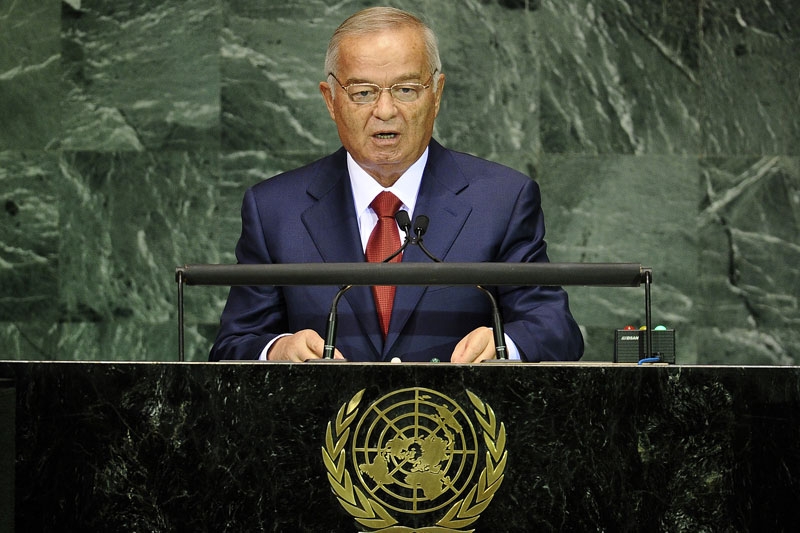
385, 135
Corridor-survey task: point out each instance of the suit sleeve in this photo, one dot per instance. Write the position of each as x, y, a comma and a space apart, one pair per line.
253, 316
537, 318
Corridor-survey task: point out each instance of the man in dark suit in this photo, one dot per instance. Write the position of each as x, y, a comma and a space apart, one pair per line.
383, 91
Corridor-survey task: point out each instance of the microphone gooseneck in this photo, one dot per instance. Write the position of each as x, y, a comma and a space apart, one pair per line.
420, 226
404, 221
330, 328
500, 350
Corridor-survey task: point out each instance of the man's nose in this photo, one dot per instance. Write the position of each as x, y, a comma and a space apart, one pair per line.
385, 106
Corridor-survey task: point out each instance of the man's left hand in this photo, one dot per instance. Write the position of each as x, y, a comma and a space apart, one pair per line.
477, 346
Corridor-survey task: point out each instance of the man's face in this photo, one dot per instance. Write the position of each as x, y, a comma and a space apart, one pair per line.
384, 137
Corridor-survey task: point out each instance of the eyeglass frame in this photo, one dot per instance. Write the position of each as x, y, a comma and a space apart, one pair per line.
381, 89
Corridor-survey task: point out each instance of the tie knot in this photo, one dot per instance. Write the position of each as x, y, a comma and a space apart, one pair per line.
386, 204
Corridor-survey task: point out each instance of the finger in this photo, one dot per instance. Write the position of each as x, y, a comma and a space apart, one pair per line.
314, 345
476, 346
294, 348
487, 354
299, 351
459, 351
472, 355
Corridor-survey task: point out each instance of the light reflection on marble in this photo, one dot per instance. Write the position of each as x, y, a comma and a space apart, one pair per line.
614, 107
141, 75
750, 81
619, 78
30, 48
749, 232
29, 231
136, 216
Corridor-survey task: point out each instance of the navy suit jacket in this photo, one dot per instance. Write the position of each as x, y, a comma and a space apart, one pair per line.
479, 212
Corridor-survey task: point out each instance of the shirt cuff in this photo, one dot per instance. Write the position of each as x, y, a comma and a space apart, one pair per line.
511, 348
263, 355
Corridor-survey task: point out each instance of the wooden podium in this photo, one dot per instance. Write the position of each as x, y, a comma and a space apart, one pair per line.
402, 447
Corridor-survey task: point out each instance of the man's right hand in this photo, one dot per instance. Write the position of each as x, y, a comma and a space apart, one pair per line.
298, 347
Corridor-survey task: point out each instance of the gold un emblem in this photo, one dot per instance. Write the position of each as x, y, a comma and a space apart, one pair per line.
412, 457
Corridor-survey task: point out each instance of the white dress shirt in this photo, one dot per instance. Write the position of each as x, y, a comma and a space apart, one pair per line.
365, 189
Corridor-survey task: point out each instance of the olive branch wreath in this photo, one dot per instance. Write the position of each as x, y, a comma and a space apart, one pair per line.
372, 514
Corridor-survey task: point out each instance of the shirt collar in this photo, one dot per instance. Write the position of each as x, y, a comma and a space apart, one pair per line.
365, 188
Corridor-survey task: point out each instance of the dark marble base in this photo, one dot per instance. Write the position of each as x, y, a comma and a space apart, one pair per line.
237, 447
7, 424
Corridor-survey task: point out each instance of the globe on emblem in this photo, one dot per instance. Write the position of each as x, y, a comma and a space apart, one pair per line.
415, 449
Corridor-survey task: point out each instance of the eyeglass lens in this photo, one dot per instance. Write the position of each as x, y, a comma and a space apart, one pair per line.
365, 93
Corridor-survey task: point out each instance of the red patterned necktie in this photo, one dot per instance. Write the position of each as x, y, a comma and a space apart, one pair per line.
383, 241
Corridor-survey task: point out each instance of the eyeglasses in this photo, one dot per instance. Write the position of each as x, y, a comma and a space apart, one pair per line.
368, 93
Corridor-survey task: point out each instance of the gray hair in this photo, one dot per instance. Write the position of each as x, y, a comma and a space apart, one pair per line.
376, 19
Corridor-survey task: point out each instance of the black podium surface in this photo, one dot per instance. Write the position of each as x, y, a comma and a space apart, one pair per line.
420, 447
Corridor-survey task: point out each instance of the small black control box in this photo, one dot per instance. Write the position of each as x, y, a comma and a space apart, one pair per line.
630, 345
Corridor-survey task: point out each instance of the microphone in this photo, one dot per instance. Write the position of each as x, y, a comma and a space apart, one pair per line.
404, 221
420, 227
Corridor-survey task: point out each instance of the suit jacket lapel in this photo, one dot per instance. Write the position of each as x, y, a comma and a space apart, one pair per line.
329, 220
439, 199
334, 231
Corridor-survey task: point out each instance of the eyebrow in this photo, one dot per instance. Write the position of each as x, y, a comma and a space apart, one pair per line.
412, 78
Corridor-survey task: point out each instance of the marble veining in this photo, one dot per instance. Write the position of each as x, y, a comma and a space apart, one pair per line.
660, 134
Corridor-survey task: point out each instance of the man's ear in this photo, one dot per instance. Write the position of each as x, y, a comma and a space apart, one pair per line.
327, 94
439, 90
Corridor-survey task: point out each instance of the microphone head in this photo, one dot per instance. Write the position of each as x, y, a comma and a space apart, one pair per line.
421, 225
403, 220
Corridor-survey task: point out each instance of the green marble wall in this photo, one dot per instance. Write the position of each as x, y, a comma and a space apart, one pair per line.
664, 133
